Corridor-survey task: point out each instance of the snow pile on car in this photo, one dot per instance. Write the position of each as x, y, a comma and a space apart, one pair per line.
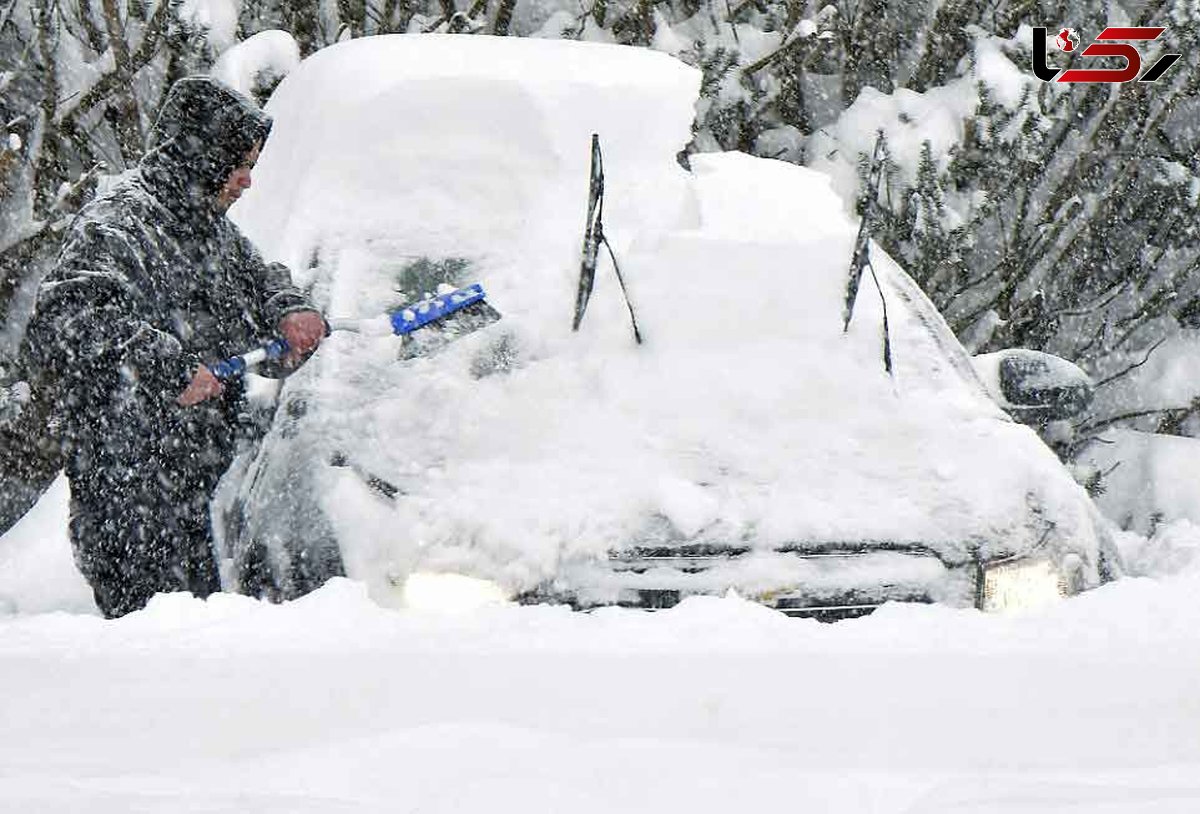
747, 417
439, 146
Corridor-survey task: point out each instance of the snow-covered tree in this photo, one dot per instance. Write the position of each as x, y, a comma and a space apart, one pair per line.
1057, 217
81, 84
81, 81
1051, 216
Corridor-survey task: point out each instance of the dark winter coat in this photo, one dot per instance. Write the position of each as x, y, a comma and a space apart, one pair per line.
152, 281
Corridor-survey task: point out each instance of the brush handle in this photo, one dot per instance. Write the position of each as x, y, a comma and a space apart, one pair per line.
404, 321
230, 368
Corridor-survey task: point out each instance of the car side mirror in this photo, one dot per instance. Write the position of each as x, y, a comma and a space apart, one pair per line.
1033, 386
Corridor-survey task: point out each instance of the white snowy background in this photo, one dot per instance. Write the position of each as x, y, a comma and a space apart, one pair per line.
334, 704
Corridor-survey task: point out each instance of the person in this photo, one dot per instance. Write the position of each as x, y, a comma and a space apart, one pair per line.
153, 284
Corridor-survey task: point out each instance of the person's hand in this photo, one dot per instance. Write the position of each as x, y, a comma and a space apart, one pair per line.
204, 385
303, 331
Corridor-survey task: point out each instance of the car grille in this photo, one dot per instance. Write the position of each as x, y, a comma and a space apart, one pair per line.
827, 582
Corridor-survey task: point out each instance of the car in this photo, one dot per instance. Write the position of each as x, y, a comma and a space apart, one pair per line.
752, 443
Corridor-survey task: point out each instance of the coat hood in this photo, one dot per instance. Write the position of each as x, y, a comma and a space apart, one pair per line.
203, 132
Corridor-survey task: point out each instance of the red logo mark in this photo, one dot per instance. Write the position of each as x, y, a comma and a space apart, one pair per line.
1066, 40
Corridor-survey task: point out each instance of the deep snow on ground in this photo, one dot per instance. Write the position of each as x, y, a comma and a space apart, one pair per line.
37, 573
333, 704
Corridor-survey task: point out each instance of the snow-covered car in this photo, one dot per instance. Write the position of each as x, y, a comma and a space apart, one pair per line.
749, 445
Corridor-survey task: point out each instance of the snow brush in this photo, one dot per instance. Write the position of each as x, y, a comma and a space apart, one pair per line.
401, 322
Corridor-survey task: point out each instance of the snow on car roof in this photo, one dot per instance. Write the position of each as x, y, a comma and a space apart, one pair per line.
747, 416
457, 140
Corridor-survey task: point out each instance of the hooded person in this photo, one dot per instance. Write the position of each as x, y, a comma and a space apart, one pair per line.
154, 284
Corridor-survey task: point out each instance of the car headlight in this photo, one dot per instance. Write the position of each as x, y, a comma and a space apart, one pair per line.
450, 592
1022, 585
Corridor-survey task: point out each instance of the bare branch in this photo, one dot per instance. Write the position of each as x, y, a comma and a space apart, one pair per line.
146, 51
737, 10
1105, 298
1132, 367
9, 12
128, 118
477, 8
504, 17
781, 51
1096, 426
732, 23
385, 15
116, 35
91, 31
